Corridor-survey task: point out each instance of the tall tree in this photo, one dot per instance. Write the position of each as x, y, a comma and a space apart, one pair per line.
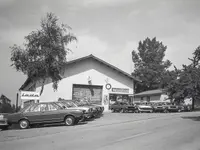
44, 51
188, 82
149, 65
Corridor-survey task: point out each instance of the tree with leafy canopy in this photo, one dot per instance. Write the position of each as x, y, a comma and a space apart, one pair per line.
44, 52
187, 83
149, 65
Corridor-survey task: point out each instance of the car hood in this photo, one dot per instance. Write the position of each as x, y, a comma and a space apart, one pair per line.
80, 108
144, 106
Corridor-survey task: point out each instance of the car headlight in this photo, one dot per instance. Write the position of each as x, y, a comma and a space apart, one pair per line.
1, 116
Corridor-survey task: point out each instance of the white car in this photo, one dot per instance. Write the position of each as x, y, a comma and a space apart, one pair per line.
143, 108
88, 111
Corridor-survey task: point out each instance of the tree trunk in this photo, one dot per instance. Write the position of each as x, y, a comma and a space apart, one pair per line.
42, 88
193, 99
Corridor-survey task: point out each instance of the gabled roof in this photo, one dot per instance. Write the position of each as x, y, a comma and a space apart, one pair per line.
150, 92
89, 57
3, 97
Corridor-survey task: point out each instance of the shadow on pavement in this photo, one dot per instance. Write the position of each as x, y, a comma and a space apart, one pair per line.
194, 118
16, 127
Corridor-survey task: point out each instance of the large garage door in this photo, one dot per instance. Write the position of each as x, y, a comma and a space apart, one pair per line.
91, 92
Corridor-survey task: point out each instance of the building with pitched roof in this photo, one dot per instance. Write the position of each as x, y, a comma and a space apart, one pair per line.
87, 78
151, 96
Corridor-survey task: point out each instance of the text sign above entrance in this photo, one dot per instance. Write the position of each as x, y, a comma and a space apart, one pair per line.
29, 95
121, 90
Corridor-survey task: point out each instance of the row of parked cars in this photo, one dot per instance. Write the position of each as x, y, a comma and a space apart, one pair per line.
138, 107
63, 111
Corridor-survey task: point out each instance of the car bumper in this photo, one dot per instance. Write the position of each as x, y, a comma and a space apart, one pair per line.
3, 123
173, 109
159, 109
145, 110
88, 115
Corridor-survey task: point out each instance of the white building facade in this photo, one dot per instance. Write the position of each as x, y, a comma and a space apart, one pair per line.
87, 78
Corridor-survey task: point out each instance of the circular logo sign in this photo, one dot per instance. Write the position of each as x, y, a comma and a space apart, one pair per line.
108, 86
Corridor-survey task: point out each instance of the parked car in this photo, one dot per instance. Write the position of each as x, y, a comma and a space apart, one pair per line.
122, 107
45, 113
95, 109
88, 112
99, 108
169, 107
143, 107
3, 121
185, 108
158, 107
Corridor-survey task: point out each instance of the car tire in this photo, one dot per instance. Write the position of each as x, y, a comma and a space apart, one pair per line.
166, 111
122, 111
69, 120
23, 124
136, 111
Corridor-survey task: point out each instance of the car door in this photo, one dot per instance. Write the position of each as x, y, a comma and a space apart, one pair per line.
33, 114
53, 113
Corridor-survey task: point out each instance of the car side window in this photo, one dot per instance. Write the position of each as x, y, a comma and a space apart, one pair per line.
35, 109
52, 107
43, 107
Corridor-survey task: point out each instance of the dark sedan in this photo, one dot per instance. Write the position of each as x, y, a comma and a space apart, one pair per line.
159, 107
45, 113
122, 107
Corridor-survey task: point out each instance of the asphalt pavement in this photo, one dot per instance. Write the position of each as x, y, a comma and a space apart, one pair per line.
117, 131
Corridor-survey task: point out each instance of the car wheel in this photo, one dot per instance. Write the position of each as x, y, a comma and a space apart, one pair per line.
166, 111
69, 121
136, 111
122, 111
23, 124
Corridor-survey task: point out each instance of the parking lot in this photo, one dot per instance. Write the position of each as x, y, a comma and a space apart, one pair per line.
112, 131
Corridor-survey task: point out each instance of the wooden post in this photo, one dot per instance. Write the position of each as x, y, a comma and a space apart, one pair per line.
17, 101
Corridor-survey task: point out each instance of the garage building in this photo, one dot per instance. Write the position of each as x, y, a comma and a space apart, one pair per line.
88, 78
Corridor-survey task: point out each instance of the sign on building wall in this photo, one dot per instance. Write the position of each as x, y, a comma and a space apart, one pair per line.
121, 90
29, 95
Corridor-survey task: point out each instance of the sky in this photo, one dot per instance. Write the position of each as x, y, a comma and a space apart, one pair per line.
108, 29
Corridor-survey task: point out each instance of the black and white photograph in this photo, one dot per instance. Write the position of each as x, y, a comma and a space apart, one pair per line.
99, 74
